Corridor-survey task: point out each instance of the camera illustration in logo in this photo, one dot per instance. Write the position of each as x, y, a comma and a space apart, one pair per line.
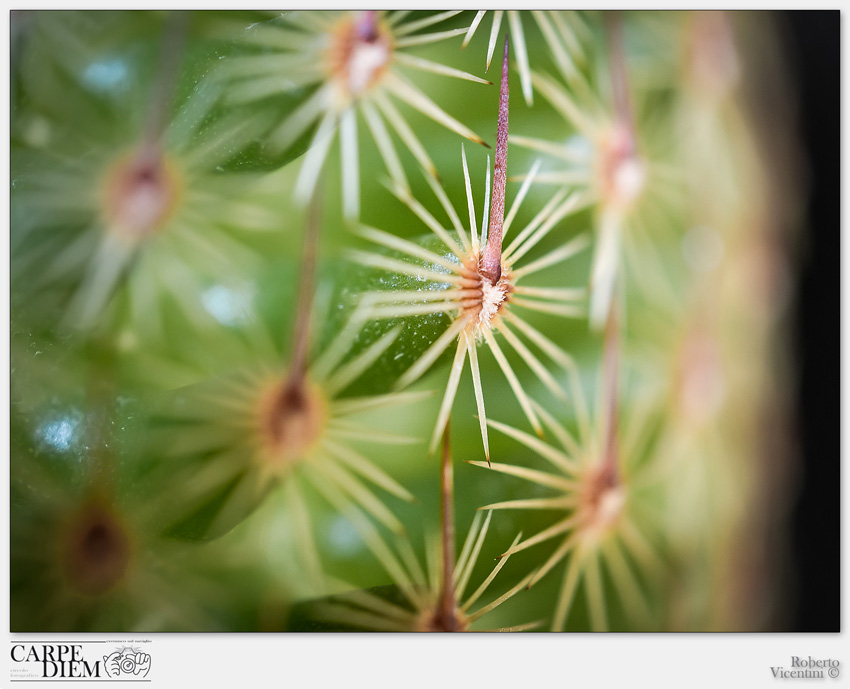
127, 661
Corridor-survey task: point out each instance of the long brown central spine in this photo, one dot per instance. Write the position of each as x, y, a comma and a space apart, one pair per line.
447, 611
491, 261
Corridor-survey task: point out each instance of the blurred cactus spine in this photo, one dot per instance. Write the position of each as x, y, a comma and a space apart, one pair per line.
221, 416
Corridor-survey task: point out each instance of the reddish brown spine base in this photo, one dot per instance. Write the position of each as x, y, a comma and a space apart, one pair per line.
366, 28
442, 622
289, 402
291, 418
96, 549
473, 284
140, 193
601, 501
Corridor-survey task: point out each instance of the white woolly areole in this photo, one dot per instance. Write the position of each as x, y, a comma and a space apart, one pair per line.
365, 60
629, 179
492, 297
605, 514
610, 506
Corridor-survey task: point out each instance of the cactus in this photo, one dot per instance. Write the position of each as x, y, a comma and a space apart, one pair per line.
253, 251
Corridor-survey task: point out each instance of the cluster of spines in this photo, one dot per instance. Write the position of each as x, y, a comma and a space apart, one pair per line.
482, 290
